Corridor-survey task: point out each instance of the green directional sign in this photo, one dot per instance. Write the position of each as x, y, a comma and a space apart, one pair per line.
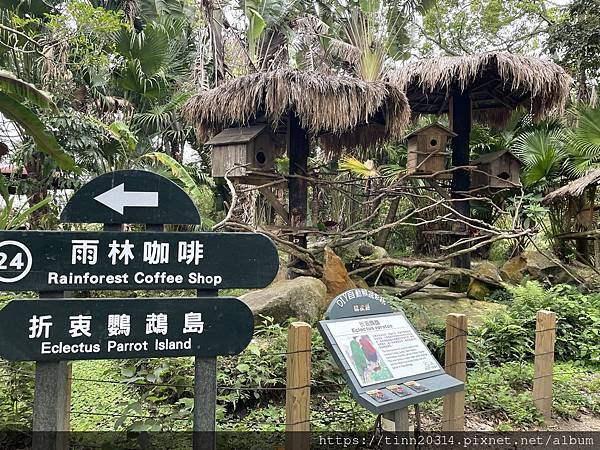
62, 261
130, 196
46, 330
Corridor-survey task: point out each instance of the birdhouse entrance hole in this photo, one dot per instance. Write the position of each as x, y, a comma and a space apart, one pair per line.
426, 153
260, 157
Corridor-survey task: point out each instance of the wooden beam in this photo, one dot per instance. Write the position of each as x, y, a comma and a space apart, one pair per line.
443, 106
545, 337
275, 203
455, 364
460, 119
297, 399
298, 150
506, 101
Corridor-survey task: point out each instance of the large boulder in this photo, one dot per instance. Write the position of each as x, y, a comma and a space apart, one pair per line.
335, 275
533, 265
513, 270
479, 289
304, 298
358, 253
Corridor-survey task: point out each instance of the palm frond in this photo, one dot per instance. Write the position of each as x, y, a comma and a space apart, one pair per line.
543, 153
21, 90
583, 143
362, 169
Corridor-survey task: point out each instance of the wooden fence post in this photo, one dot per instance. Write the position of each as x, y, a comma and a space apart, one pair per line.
545, 337
297, 399
455, 364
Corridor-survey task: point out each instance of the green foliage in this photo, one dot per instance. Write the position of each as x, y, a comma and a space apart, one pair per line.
528, 209
13, 94
11, 85
575, 37
505, 391
14, 218
507, 337
16, 395
510, 335
359, 168
197, 187
255, 378
583, 143
466, 27
543, 152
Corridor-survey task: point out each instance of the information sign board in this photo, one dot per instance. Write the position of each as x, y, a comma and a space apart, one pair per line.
382, 348
84, 329
62, 261
384, 361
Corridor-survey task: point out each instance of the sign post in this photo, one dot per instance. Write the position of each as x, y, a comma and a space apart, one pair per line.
205, 397
384, 361
52, 262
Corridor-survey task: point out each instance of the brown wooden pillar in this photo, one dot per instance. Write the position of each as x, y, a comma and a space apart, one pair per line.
298, 151
460, 111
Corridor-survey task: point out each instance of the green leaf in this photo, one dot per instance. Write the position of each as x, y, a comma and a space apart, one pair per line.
21, 217
19, 89
180, 173
33, 126
243, 367
128, 371
257, 24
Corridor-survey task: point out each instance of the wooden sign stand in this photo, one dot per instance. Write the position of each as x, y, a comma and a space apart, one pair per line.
115, 199
205, 396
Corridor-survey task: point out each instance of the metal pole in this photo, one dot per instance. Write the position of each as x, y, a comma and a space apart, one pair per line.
205, 395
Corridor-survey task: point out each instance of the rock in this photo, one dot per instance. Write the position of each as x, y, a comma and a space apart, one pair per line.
304, 298
357, 251
535, 266
487, 269
359, 282
475, 310
479, 289
335, 275
542, 268
513, 270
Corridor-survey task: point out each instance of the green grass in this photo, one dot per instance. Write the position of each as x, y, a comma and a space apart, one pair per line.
95, 397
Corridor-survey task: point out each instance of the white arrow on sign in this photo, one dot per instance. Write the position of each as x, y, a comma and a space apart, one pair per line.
117, 199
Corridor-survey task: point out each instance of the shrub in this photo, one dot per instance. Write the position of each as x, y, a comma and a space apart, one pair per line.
510, 335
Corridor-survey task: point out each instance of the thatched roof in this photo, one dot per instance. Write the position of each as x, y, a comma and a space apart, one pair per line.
344, 112
575, 188
498, 84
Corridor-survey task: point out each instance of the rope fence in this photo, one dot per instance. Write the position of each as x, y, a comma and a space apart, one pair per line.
300, 388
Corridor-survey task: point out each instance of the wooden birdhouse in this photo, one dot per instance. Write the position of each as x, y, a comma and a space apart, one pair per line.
427, 151
497, 170
243, 152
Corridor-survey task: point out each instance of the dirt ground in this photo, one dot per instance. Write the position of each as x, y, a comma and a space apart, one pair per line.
583, 423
